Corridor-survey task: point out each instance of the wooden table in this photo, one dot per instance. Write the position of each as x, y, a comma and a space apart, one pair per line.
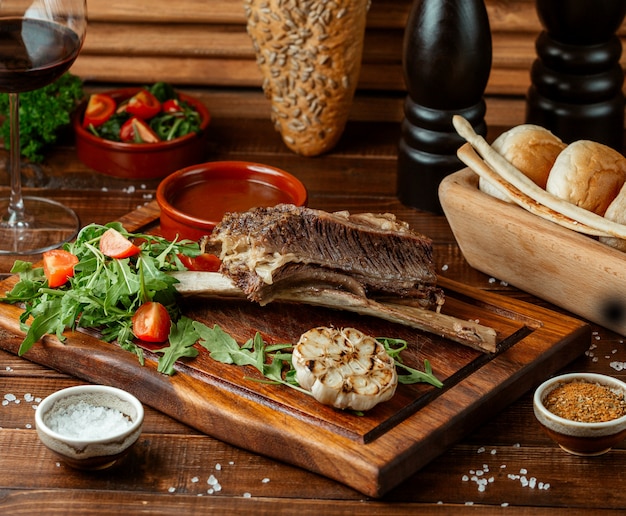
178, 467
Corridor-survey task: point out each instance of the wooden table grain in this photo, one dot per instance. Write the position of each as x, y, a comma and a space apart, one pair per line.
506, 466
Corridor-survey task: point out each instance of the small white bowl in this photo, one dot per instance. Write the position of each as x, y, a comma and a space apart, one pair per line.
576, 437
89, 427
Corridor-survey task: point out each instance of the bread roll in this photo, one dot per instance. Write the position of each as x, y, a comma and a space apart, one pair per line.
529, 148
310, 59
588, 174
617, 213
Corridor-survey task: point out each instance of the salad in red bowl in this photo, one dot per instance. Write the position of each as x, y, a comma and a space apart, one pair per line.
141, 133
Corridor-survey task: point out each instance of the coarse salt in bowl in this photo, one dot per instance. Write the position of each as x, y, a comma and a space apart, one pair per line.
89, 426
583, 437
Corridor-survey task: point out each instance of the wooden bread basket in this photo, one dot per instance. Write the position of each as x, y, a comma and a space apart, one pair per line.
566, 268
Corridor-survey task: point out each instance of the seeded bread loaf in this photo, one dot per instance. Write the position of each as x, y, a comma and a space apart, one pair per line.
309, 52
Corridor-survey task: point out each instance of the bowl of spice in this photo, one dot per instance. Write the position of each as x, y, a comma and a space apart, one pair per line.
584, 413
89, 427
141, 133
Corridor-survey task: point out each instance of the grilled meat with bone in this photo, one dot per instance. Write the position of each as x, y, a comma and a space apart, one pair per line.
266, 250
333, 260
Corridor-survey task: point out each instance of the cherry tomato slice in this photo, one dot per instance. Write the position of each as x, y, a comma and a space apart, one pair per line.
152, 322
135, 130
171, 106
100, 107
143, 105
58, 266
205, 262
115, 245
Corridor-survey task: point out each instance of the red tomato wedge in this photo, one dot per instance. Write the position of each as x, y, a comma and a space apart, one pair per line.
143, 105
152, 322
171, 106
205, 262
115, 245
100, 108
135, 130
58, 266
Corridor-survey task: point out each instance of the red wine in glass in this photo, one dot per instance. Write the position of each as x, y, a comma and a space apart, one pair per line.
34, 52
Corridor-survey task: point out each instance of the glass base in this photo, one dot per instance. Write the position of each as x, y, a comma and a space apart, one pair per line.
46, 225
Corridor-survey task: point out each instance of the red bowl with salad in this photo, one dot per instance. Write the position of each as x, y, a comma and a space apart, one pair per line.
141, 133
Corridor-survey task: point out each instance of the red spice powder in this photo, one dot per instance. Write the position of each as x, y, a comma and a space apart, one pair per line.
586, 402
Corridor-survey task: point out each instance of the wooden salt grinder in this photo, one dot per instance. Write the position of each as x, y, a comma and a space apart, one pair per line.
576, 89
447, 61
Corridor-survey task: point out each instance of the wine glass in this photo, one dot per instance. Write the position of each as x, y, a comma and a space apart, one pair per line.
39, 41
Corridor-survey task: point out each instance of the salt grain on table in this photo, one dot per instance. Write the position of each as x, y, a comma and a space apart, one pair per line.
85, 421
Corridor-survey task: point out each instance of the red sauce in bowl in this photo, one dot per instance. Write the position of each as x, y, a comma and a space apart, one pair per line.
193, 200
210, 200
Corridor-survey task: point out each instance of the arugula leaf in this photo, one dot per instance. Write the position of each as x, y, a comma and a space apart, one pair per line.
162, 91
413, 375
223, 348
46, 321
182, 338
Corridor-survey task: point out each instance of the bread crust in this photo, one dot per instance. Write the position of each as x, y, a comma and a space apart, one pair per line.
617, 213
588, 174
309, 53
531, 149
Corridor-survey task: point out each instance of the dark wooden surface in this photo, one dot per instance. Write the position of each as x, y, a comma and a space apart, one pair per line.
173, 465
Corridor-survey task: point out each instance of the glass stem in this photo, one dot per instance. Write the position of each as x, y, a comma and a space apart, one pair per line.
16, 203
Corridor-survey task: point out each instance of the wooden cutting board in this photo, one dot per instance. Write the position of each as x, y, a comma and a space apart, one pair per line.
371, 453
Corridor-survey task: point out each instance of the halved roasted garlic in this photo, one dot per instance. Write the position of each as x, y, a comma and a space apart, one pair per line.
344, 368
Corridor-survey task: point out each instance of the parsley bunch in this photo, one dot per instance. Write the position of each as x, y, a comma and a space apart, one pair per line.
43, 114
104, 292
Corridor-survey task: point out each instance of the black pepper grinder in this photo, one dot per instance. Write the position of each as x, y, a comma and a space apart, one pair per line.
576, 89
447, 61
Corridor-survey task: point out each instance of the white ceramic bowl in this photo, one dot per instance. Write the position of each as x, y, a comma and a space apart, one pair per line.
89, 426
576, 437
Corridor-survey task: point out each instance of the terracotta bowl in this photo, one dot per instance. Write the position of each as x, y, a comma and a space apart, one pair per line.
577, 437
71, 423
140, 161
193, 200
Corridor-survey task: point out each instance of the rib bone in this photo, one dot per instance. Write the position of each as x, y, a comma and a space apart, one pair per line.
468, 333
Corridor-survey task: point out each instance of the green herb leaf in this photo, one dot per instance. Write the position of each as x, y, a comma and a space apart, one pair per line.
223, 348
182, 338
46, 321
394, 347
43, 114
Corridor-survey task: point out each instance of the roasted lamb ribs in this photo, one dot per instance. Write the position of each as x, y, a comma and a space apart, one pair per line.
366, 263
